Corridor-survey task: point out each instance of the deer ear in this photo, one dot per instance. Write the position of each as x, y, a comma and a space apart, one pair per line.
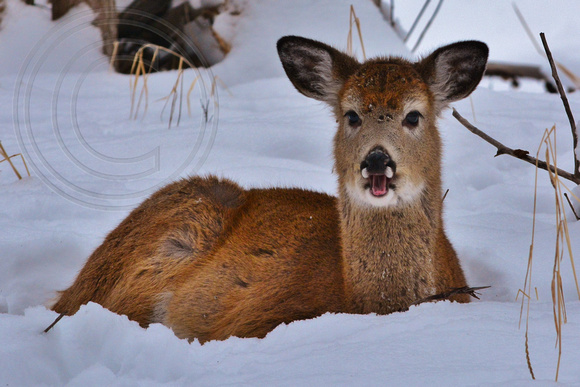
454, 71
317, 70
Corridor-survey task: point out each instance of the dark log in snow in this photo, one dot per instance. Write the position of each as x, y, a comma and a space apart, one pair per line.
514, 72
182, 29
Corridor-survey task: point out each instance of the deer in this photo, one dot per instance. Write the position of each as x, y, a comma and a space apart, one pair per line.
210, 259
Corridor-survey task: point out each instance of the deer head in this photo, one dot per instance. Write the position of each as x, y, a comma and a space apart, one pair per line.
387, 149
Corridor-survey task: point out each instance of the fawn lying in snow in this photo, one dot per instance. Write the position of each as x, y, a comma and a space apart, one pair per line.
211, 260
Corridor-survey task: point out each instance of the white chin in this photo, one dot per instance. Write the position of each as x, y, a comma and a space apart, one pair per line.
387, 200
403, 195
366, 198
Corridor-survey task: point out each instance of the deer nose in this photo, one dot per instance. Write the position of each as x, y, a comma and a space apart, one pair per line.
378, 162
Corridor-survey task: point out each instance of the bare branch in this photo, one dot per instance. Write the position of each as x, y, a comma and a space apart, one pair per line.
419, 16
54, 322
445, 195
517, 153
452, 292
427, 26
566, 104
571, 206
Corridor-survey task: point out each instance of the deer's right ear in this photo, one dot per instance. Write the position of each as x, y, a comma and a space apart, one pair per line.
317, 70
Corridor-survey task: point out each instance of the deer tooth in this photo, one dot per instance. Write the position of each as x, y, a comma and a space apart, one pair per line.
365, 173
389, 173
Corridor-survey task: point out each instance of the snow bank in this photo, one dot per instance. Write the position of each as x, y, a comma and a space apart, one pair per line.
434, 344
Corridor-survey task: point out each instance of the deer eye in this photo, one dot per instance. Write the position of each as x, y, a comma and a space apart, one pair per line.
412, 119
353, 119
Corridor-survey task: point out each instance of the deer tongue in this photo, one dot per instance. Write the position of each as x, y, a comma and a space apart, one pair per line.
378, 184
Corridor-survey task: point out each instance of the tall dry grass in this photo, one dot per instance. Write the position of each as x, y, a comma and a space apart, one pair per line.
563, 247
140, 72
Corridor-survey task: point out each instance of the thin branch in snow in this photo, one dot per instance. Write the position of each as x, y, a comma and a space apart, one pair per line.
565, 102
571, 206
54, 322
445, 195
452, 292
517, 153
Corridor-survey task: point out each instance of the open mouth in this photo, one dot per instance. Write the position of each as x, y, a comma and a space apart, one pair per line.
378, 183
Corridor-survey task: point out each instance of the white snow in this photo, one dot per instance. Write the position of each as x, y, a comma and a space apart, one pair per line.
69, 116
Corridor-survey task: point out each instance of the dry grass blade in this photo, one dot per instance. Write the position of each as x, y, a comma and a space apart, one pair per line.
218, 79
135, 69
139, 71
563, 244
114, 56
559, 307
144, 90
5, 156
528, 280
173, 94
191, 87
355, 19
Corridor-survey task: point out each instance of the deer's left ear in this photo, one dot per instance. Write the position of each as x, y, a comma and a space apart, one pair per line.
454, 71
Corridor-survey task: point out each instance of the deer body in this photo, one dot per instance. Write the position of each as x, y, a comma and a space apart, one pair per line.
211, 260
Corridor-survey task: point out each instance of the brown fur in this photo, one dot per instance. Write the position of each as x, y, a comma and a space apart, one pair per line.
211, 260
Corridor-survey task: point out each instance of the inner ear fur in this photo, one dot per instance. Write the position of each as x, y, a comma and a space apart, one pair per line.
454, 71
316, 70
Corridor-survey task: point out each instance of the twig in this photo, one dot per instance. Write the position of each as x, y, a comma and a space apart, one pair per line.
571, 206
54, 322
565, 102
517, 153
445, 195
427, 26
528, 359
452, 292
419, 16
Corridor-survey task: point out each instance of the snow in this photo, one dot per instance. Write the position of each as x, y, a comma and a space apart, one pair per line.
69, 116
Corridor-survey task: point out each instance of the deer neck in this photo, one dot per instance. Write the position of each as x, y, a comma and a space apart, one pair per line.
388, 254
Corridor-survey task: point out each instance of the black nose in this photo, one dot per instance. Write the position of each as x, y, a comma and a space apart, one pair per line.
376, 162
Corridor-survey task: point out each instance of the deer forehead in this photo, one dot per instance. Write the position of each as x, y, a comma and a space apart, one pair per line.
385, 85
